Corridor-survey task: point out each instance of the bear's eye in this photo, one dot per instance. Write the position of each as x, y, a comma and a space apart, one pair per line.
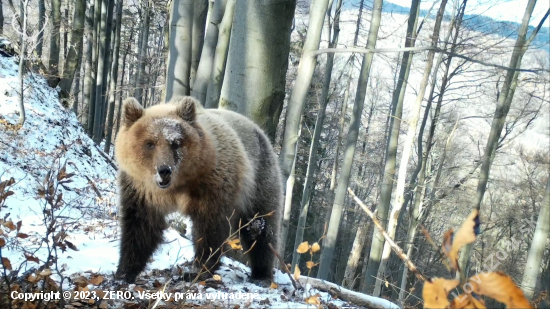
150, 145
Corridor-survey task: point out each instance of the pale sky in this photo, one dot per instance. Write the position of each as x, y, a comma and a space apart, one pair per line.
508, 10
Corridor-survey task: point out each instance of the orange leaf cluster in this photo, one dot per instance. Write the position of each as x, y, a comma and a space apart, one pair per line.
496, 285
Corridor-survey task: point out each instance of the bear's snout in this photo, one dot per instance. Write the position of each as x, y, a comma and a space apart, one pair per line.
164, 176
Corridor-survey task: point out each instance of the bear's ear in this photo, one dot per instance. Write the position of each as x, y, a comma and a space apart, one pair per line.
131, 111
186, 108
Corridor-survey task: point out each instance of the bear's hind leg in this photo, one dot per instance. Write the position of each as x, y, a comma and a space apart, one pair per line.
260, 233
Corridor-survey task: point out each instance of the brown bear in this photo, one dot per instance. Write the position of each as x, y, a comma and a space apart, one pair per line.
215, 166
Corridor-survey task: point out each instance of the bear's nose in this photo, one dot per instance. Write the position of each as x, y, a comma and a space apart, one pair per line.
164, 171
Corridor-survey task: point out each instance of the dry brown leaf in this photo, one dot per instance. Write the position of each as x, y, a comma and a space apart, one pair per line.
310, 264
101, 294
202, 283
103, 305
435, 292
217, 277
32, 278
296, 272
96, 280
138, 289
2, 242
315, 247
22, 235
467, 301
465, 235
81, 281
19, 223
273, 285
314, 300
9, 225
500, 287
46, 272
235, 244
31, 258
303, 247
6, 263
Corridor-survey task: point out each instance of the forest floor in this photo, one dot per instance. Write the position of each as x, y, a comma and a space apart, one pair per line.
59, 229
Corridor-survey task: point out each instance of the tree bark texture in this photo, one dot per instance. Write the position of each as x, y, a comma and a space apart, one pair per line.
257, 61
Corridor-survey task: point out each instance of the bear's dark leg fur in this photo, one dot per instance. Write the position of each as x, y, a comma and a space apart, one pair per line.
266, 200
142, 227
210, 231
260, 257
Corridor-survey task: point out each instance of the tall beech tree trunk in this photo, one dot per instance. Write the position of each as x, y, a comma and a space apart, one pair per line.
102, 69
217, 74
538, 245
55, 38
72, 59
199, 22
319, 122
407, 150
114, 78
179, 55
41, 21
499, 119
204, 69
258, 55
95, 54
329, 243
298, 96
141, 78
386, 185
419, 186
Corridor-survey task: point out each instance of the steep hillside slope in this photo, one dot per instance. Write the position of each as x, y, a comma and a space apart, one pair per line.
64, 192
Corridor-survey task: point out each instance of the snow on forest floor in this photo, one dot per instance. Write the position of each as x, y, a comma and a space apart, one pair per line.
64, 192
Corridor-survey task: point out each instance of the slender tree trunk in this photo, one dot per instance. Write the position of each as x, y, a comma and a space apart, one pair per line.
122, 80
342, 123
319, 122
114, 77
217, 73
538, 245
386, 184
102, 69
87, 83
355, 255
204, 70
407, 150
141, 78
41, 21
499, 119
53, 63
179, 55
24, 18
285, 226
199, 20
95, 55
301, 85
72, 60
329, 243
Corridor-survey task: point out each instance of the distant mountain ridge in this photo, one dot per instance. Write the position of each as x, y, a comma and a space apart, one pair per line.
479, 23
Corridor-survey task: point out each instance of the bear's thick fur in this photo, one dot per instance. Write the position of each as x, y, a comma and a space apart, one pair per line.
208, 164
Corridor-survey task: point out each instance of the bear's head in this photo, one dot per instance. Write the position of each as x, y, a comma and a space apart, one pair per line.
163, 145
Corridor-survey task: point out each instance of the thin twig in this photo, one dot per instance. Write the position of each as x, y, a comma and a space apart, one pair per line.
393, 245
362, 50
285, 268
